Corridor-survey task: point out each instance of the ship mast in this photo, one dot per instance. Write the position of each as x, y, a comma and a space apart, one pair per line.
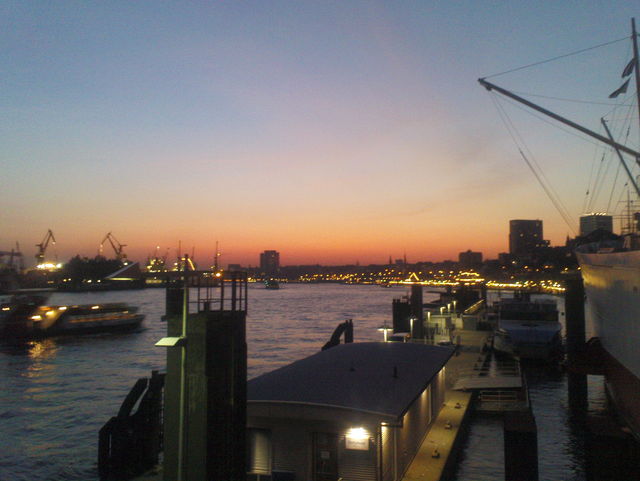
636, 65
634, 41
624, 164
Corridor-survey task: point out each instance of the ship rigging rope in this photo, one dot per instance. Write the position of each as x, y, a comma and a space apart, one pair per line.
595, 188
613, 188
598, 182
564, 99
615, 180
577, 52
586, 195
553, 123
538, 173
627, 117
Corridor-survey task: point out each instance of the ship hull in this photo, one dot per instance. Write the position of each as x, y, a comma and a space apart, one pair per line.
544, 345
612, 286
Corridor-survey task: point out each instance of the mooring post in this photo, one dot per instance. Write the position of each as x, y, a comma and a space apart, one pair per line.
416, 311
216, 406
520, 446
575, 331
574, 315
348, 333
173, 300
401, 313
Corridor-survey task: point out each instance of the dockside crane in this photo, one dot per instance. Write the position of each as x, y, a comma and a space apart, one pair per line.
117, 246
42, 247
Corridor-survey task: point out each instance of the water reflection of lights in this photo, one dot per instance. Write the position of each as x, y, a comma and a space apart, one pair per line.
45, 349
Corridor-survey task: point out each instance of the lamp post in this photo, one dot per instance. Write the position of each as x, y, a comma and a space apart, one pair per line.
385, 329
181, 342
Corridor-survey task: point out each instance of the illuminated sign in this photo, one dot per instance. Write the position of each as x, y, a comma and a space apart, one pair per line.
357, 438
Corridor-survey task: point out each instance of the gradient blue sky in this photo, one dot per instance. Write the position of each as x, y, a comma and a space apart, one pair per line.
333, 132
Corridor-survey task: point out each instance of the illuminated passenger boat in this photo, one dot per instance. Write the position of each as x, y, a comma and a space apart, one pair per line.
27, 317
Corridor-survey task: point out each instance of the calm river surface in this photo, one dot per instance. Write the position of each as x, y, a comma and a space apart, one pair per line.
56, 394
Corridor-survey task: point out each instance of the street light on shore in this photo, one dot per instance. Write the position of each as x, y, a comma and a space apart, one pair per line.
385, 329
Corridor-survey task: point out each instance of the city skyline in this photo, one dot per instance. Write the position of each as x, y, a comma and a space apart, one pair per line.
269, 260
334, 133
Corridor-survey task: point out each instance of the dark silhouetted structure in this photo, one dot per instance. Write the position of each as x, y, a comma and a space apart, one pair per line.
205, 395
593, 222
470, 259
525, 236
130, 444
270, 262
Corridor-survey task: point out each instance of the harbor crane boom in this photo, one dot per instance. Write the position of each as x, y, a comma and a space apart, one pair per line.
117, 246
42, 247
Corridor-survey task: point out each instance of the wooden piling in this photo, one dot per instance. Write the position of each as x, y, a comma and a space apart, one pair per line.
574, 315
575, 329
520, 446
416, 311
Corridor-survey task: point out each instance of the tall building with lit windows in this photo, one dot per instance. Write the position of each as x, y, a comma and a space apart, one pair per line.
525, 236
270, 262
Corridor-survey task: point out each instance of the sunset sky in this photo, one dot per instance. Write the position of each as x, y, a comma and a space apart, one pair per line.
332, 131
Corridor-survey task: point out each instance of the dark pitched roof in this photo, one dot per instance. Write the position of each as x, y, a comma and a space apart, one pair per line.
358, 376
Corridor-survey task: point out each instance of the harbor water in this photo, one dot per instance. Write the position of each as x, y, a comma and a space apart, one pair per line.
55, 394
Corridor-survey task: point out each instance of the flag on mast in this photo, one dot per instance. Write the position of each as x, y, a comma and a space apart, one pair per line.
621, 90
629, 68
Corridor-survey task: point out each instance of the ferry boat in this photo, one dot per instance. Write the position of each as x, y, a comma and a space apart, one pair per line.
611, 273
29, 317
528, 329
271, 284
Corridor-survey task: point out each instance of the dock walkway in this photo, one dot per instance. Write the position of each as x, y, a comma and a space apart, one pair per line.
445, 434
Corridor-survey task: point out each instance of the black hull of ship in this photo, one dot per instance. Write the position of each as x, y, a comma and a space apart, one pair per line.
622, 390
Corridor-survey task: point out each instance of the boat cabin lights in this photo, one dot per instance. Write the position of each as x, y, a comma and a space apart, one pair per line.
95, 307
49, 266
6, 308
62, 308
36, 318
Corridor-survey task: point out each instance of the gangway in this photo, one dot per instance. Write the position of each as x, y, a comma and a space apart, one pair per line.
498, 385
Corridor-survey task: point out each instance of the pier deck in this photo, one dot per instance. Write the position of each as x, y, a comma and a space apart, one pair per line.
446, 440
